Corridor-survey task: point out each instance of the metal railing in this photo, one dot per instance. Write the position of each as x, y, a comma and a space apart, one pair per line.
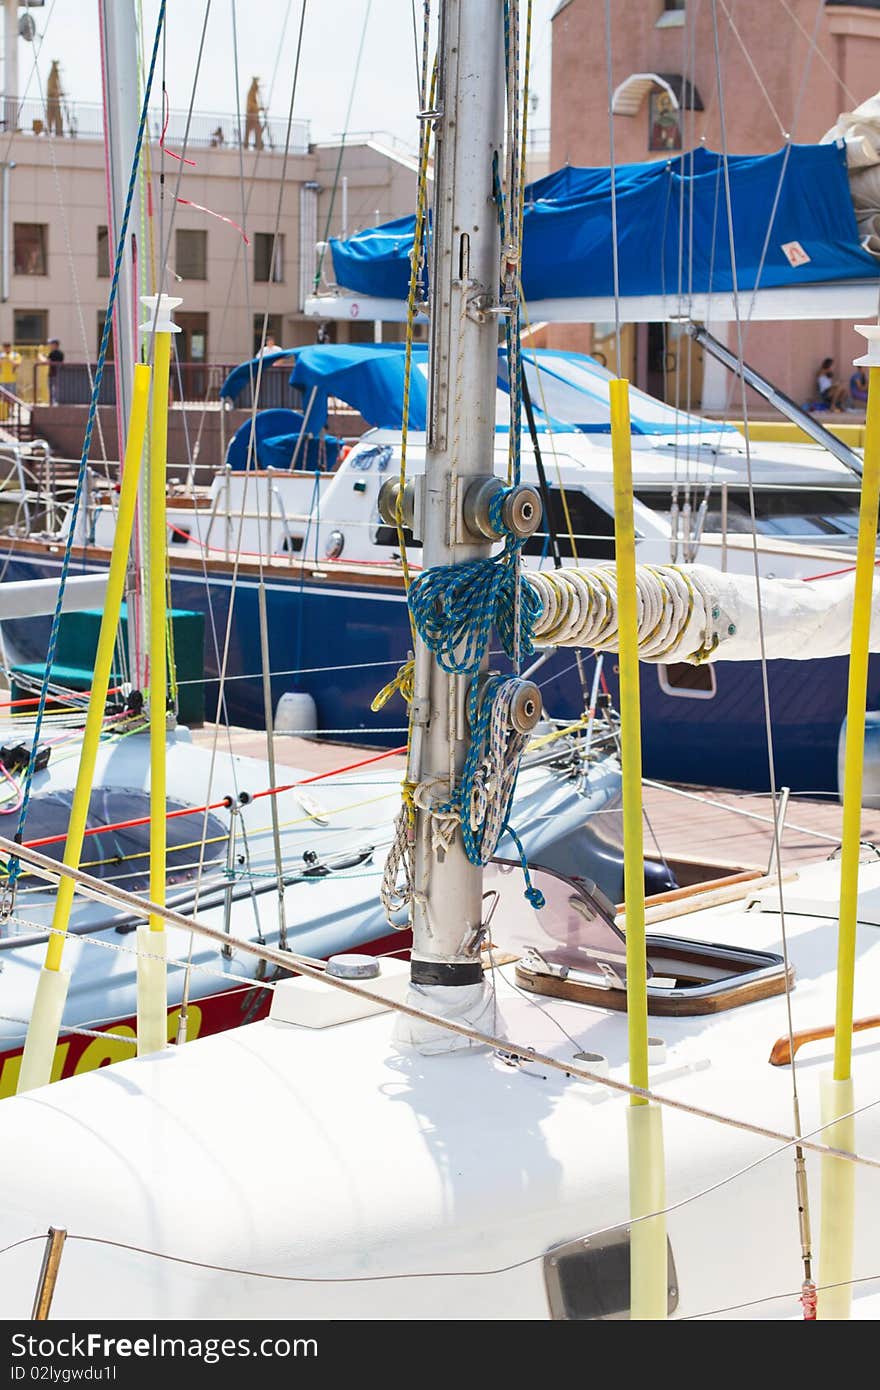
192, 383
15, 417
217, 130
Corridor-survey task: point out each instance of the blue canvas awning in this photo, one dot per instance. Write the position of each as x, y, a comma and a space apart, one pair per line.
245, 374
368, 377
791, 212
574, 388
569, 391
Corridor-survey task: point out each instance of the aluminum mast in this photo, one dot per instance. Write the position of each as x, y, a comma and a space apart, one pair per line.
464, 275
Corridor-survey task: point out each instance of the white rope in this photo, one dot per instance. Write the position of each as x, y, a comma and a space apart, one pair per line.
80, 1032
676, 615
394, 896
490, 796
228, 976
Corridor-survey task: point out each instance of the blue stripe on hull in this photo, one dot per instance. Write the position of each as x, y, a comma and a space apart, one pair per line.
360, 636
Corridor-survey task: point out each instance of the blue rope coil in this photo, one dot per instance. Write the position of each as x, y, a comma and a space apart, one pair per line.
454, 608
14, 865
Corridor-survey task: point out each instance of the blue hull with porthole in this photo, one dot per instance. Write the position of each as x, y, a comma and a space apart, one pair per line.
342, 642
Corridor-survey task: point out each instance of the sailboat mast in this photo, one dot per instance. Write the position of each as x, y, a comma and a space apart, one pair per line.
122, 102
464, 275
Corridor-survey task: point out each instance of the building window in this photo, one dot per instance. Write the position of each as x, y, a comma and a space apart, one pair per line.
266, 266
672, 14
592, 528
30, 326
30, 240
103, 254
192, 255
274, 326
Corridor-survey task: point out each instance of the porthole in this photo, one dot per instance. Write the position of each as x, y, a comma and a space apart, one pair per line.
335, 545
688, 682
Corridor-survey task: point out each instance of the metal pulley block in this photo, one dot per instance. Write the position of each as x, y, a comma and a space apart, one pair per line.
387, 502
520, 510
525, 707
524, 703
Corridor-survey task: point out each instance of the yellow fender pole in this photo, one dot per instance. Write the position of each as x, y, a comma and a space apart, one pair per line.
837, 1229
51, 995
152, 984
648, 1278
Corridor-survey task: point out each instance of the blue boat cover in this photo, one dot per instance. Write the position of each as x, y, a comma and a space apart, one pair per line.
573, 388
569, 391
368, 377
246, 373
276, 433
672, 229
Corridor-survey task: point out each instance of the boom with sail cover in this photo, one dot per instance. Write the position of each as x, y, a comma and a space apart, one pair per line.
696, 613
794, 228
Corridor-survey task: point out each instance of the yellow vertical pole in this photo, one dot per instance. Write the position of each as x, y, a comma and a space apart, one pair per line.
152, 996
42, 1035
648, 1280
837, 1228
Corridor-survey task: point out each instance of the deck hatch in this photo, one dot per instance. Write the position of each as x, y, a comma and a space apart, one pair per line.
589, 1279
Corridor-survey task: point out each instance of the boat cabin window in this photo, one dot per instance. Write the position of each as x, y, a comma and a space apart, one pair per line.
591, 526
387, 535
795, 513
120, 852
686, 681
573, 949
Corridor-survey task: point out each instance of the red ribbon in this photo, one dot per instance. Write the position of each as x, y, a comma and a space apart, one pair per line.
166, 116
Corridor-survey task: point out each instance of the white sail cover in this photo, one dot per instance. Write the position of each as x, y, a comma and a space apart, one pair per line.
860, 132
695, 613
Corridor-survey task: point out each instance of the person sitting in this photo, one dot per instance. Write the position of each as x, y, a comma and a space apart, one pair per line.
858, 387
831, 393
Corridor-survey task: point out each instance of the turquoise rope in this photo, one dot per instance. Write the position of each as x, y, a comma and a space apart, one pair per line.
454, 608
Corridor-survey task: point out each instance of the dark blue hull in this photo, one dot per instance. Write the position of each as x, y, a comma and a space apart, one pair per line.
342, 642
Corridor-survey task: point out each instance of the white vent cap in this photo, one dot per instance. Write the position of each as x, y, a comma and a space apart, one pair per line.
160, 307
871, 331
353, 967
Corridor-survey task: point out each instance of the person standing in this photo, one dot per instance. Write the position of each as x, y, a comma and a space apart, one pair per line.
253, 116
10, 361
53, 358
54, 95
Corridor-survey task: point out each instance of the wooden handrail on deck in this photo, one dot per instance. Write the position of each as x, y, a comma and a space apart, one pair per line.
782, 1051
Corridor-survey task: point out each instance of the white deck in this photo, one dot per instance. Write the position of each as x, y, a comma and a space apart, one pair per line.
331, 1156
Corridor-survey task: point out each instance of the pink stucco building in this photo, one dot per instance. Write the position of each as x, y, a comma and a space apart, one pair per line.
788, 68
